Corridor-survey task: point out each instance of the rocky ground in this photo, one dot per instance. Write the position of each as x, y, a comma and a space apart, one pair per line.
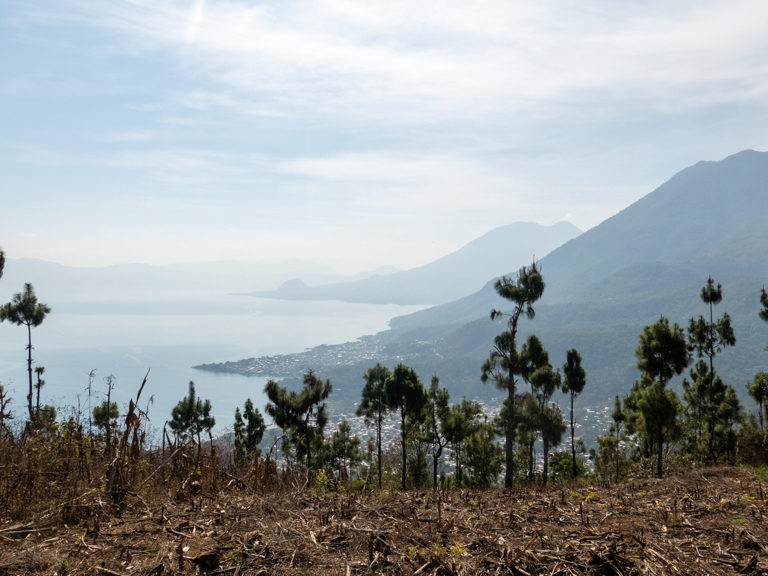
705, 522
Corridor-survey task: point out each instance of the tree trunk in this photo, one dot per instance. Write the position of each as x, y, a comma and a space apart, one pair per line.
546, 460
199, 453
618, 433
660, 457
573, 443
458, 465
532, 458
710, 396
37, 397
402, 436
29, 370
378, 443
509, 473
109, 422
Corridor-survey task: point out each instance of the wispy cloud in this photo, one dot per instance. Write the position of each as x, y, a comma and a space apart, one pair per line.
337, 55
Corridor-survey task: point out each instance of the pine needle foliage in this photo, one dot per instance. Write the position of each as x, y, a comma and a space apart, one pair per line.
301, 415
502, 366
25, 310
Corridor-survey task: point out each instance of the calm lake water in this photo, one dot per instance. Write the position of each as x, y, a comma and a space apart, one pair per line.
169, 336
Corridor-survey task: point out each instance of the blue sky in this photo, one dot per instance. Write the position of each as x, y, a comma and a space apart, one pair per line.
357, 134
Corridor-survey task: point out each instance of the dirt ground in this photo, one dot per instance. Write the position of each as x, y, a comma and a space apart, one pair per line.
704, 522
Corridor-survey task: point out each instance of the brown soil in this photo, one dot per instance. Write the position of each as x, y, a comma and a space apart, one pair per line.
705, 522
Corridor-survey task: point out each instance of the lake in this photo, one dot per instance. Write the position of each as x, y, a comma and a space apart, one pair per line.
168, 335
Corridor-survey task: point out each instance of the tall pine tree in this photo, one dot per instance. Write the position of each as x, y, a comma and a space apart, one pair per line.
405, 394
707, 338
24, 309
661, 354
374, 406
502, 364
573, 385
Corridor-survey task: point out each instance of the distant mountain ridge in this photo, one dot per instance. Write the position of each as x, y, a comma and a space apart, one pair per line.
709, 219
447, 278
131, 281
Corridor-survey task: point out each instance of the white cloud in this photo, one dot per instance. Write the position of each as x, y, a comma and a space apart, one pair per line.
342, 56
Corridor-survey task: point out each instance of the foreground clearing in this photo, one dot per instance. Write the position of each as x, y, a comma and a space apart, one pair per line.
707, 522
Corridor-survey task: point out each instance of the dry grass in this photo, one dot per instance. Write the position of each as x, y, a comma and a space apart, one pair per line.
706, 522
69, 505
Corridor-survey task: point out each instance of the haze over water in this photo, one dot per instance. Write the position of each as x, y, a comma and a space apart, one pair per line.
168, 339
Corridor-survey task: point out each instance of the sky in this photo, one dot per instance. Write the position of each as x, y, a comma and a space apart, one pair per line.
354, 133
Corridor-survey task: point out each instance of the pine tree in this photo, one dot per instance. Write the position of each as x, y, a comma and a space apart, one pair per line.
758, 389
461, 421
707, 338
24, 309
573, 385
659, 408
435, 412
545, 382
373, 404
533, 357
695, 392
192, 415
301, 415
483, 457
619, 418
248, 432
502, 364
343, 449
405, 394
105, 415
39, 371
662, 353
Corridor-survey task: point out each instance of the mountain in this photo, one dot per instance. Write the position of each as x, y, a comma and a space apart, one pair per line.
101, 285
709, 219
651, 259
447, 278
603, 286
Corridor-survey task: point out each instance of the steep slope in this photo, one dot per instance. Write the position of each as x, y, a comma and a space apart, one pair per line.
709, 219
447, 278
